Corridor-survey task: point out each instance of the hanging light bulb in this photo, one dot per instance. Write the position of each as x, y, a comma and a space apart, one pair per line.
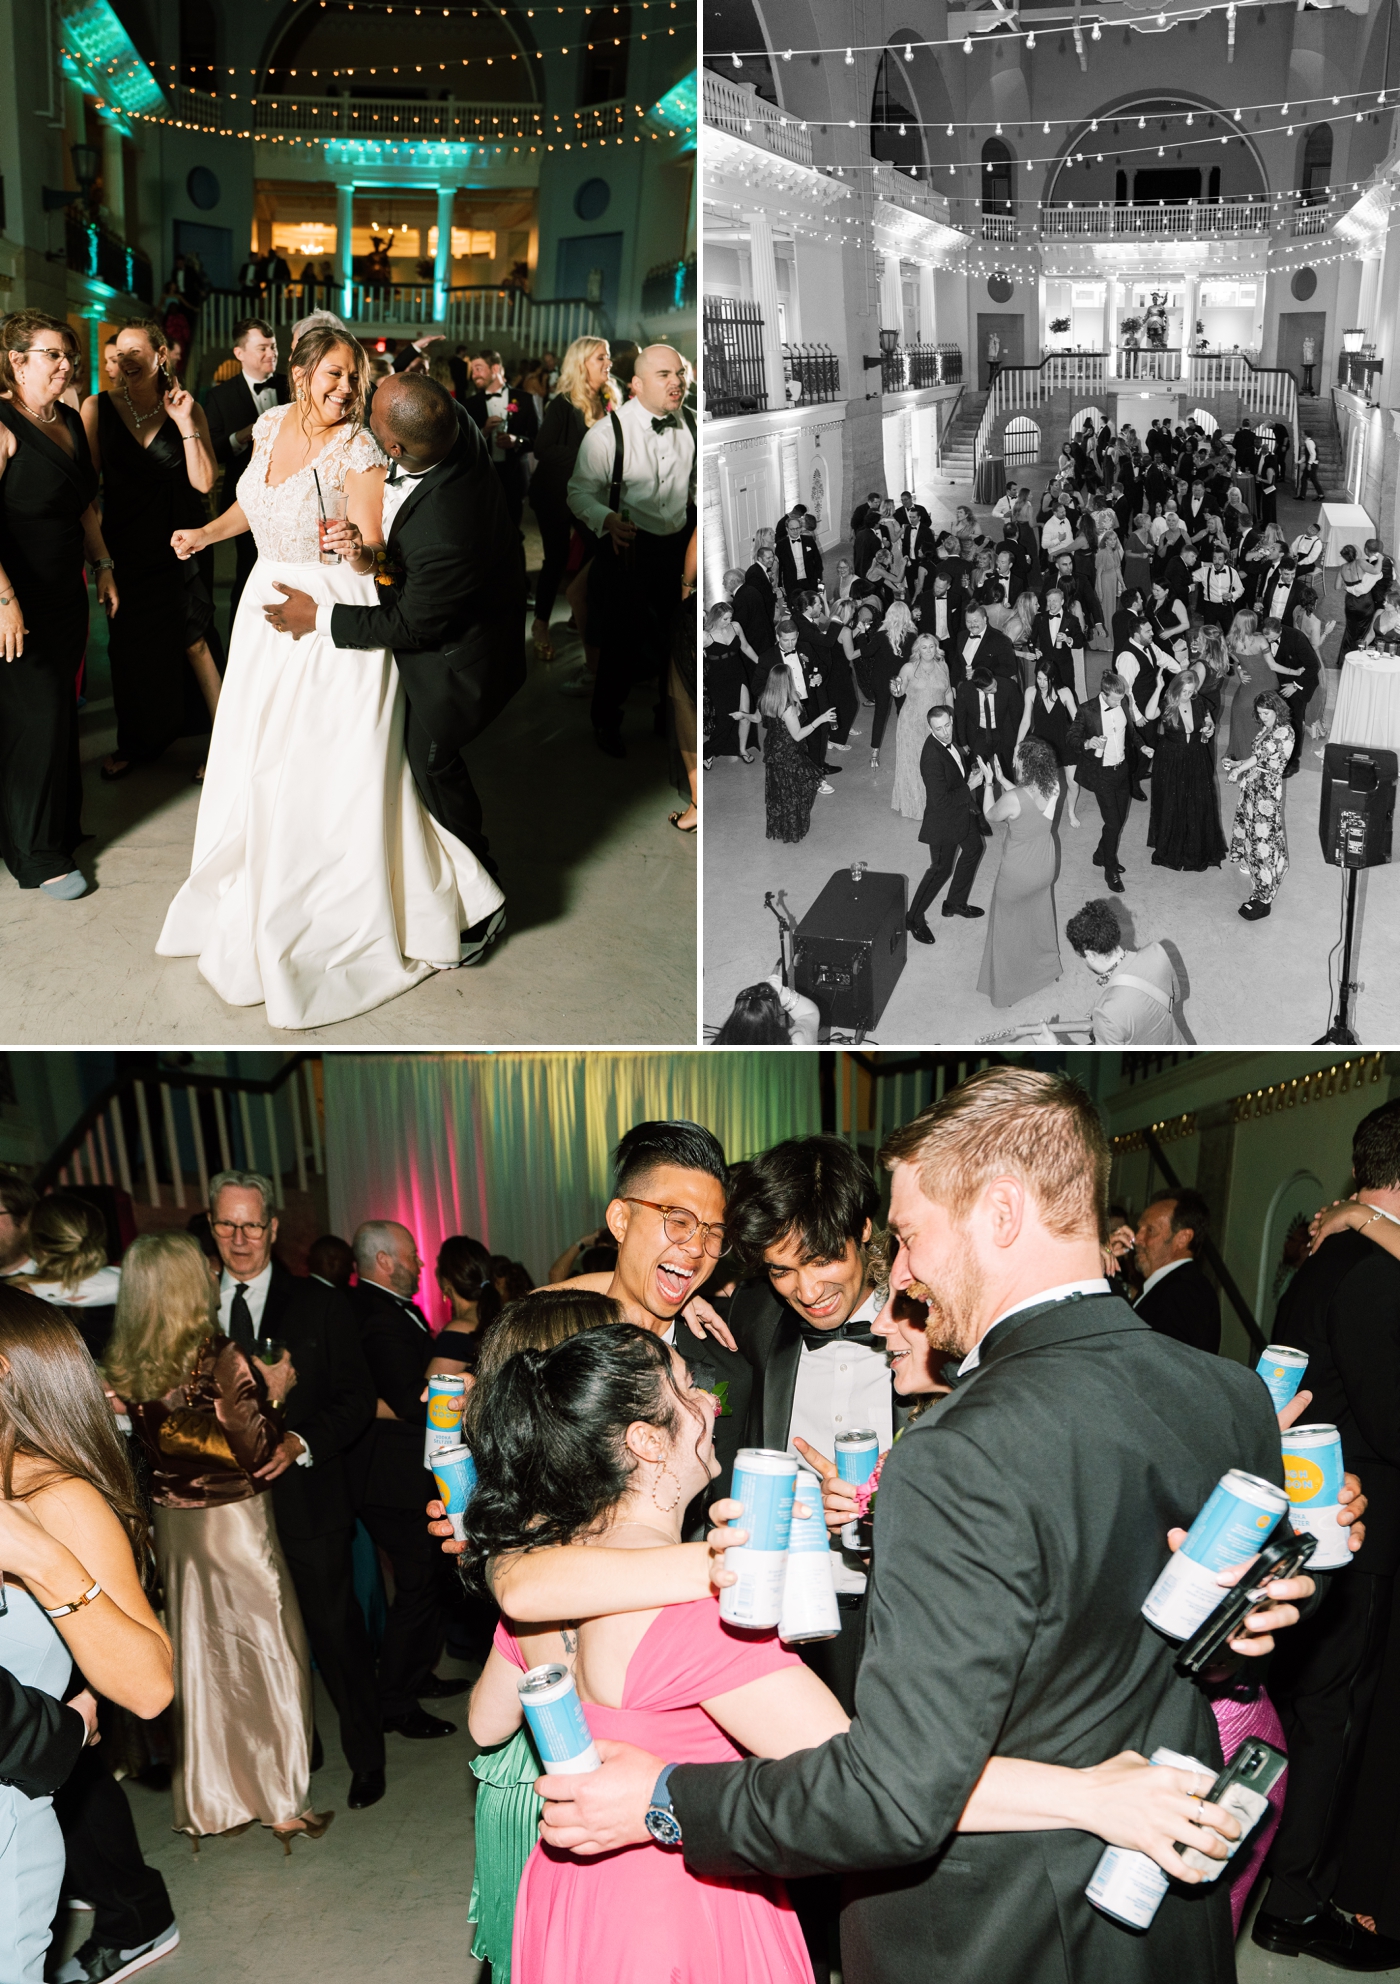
908, 51
1047, 126
950, 133
1030, 41
1283, 107
967, 46
787, 55
735, 60
1142, 123
1290, 131
902, 131
1097, 34
998, 130
850, 60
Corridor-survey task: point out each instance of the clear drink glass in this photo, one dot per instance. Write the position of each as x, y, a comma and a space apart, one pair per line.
333, 504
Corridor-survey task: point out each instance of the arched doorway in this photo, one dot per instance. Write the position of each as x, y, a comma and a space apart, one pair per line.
1020, 443
896, 134
1315, 177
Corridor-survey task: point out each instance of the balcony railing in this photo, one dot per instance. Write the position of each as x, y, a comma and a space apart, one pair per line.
734, 376
669, 286
500, 316
911, 194
1102, 222
93, 250
814, 370
911, 367
739, 110
998, 227
1151, 362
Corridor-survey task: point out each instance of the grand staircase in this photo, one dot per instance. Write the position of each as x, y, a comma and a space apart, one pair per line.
1316, 417
956, 463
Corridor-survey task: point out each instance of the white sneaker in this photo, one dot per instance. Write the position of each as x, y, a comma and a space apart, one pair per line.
824, 787
94, 1963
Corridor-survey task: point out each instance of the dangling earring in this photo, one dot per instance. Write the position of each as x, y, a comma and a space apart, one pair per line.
666, 1507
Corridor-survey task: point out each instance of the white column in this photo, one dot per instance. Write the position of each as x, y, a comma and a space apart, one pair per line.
1110, 325
765, 290
1188, 328
113, 177
344, 222
442, 262
891, 297
928, 310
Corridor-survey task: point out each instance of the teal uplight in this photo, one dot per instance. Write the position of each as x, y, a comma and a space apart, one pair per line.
674, 113
110, 65
391, 151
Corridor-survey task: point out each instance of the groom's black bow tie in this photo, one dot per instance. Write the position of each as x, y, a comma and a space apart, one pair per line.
851, 1332
394, 477
666, 420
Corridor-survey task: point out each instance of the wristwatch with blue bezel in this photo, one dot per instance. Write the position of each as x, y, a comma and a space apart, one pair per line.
661, 1821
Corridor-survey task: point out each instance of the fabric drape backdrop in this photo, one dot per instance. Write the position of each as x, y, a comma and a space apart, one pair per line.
515, 1148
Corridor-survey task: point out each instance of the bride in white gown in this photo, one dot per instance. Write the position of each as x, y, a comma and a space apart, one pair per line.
320, 884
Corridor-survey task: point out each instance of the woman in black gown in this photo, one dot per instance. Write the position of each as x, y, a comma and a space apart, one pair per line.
48, 525
791, 779
1184, 830
150, 444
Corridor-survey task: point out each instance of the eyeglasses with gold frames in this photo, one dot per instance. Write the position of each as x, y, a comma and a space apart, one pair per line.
682, 1225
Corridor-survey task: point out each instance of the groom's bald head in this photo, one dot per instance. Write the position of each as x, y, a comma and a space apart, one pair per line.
413, 419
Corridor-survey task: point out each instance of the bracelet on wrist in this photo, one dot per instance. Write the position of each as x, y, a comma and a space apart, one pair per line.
94, 1590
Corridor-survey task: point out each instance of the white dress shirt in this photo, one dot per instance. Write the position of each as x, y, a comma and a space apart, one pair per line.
1115, 733
264, 398
657, 473
1160, 1274
841, 1387
940, 616
1097, 1286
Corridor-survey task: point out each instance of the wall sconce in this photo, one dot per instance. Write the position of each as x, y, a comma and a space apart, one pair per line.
889, 344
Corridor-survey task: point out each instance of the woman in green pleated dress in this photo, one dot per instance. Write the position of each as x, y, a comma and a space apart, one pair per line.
506, 1824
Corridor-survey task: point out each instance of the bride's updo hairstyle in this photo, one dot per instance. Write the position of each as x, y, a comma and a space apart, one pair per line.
308, 351
550, 1437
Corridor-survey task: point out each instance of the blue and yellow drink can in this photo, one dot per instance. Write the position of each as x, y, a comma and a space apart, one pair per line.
810, 1611
1281, 1367
446, 1397
454, 1471
1232, 1528
1312, 1474
557, 1722
763, 1484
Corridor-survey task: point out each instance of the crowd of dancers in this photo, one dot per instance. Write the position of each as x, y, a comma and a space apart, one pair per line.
1081, 644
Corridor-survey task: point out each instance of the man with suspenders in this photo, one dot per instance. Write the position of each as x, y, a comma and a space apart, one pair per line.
633, 486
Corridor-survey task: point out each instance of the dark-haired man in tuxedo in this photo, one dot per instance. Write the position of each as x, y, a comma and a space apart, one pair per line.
951, 826
233, 409
1104, 739
982, 646
327, 1408
986, 712
509, 424
938, 608
1177, 1299
751, 596
799, 556
452, 602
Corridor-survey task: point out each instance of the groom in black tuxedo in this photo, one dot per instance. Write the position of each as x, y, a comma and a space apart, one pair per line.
452, 599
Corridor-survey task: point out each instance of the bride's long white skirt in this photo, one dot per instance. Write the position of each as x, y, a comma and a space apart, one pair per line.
320, 884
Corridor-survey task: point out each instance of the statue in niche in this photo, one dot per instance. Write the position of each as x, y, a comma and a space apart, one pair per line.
1154, 322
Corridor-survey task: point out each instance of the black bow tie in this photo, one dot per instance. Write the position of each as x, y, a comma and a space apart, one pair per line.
394, 478
851, 1332
666, 420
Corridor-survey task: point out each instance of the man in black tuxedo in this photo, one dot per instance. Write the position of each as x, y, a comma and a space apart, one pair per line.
325, 1412
452, 602
1177, 1300
938, 608
986, 713
1302, 670
509, 424
1342, 1308
951, 826
391, 1484
752, 601
867, 543
1049, 1657
828, 671
1058, 636
232, 410
1103, 739
799, 556
982, 646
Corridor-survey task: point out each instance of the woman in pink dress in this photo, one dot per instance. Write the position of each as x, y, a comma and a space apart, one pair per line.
604, 1440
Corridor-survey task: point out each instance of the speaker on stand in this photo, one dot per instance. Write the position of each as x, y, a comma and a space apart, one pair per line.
1356, 825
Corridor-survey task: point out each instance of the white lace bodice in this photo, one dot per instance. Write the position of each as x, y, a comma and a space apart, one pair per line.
283, 520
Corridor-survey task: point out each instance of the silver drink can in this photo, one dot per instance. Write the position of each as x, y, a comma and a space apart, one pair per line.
763, 1485
1129, 1886
810, 1610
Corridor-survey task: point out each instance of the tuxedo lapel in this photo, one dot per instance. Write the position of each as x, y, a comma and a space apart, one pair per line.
780, 1383
432, 480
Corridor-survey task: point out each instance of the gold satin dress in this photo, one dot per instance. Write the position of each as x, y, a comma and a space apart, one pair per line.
242, 1709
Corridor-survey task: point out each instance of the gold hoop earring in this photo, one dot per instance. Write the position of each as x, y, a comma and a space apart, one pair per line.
666, 1508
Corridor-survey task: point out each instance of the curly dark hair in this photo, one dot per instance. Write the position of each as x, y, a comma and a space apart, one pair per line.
549, 1438
1094, 928
815, 1188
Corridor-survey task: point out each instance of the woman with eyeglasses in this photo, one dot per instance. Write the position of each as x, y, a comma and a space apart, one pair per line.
48, 526
207, 1416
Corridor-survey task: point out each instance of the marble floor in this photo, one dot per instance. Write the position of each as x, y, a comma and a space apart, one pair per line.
1246, 984
600, 896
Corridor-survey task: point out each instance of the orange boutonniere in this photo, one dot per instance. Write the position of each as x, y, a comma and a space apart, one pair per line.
387, 571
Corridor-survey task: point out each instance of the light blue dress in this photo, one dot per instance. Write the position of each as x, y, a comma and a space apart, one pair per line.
31, 1845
